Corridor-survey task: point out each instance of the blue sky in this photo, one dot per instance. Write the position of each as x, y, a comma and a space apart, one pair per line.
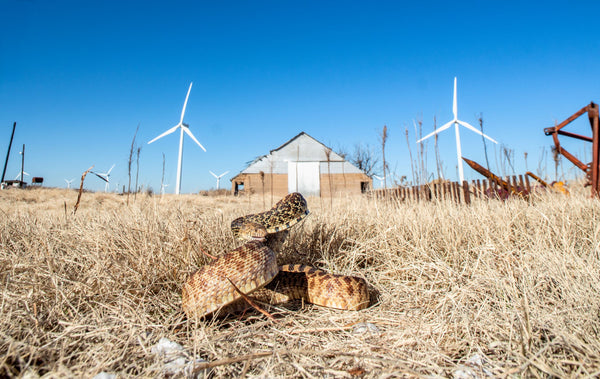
79, 76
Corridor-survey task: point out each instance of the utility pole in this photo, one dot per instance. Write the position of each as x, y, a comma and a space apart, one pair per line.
8, 152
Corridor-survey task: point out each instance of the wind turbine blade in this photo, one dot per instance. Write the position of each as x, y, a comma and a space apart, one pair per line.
185, 103
213, 174
165, 133
468, 126
187, 131
100, 176
223, 174
454, 105
111, 167
444, 127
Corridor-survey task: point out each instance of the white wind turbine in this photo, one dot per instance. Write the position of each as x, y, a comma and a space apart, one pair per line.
19, 175
456, 122
69, 183
381, 179
218, 177
106, 177
184, 128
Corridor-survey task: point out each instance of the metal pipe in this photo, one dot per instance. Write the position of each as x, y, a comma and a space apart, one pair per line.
593, 115
8, 152
567, 121
574, 135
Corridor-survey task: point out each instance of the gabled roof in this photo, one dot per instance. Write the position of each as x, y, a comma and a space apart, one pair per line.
300, 148
298, 136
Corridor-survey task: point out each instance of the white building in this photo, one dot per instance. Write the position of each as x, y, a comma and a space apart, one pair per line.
303, 165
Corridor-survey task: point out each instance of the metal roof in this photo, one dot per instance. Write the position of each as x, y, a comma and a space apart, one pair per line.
301, 148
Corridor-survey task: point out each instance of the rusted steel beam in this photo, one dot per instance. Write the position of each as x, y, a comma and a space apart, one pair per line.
595, 165
569, 156
537, 178
496, 179
556, 128
582, 166
591, 169
485, 172
574, 135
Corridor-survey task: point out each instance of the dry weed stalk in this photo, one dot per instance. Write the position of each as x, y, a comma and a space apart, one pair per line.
383, 136
248, 300
129, 162
81, 189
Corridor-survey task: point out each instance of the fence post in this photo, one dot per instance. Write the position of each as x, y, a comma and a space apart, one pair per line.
522, 183
466, 193
457, 192
485, 184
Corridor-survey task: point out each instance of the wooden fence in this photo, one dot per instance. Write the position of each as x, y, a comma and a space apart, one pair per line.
517, 186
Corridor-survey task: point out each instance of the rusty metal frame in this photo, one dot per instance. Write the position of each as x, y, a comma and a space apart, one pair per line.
513, 190
591, 169
557, 186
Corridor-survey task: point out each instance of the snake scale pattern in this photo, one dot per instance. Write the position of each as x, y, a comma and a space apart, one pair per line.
253, 269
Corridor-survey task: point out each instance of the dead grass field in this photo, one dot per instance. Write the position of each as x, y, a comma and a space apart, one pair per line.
493, 289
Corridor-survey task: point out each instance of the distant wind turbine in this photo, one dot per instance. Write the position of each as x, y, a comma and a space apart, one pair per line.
381, 179
456, 122
183, 128
162, 188
218, 177
69, 183
19, 175
106, 177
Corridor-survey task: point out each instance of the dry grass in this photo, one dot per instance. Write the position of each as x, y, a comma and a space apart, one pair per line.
516, 283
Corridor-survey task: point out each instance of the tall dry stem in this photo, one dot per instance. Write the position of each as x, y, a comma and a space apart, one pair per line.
129, 162
81, 189
412, 165
383, 136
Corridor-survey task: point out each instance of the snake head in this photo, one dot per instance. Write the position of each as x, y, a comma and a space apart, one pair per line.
251, 231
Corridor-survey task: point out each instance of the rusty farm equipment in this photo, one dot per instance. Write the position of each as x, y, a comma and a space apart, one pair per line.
557, 186
506, 187
592, 169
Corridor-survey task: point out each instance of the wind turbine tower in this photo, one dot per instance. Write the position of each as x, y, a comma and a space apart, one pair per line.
183, 128
456, 122
218, 177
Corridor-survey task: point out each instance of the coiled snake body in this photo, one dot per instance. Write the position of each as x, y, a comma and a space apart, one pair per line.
253, 269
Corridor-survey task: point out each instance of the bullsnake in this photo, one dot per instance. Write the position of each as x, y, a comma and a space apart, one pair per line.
253, 268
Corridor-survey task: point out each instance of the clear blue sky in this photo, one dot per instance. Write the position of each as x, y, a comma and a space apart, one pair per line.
79, 76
